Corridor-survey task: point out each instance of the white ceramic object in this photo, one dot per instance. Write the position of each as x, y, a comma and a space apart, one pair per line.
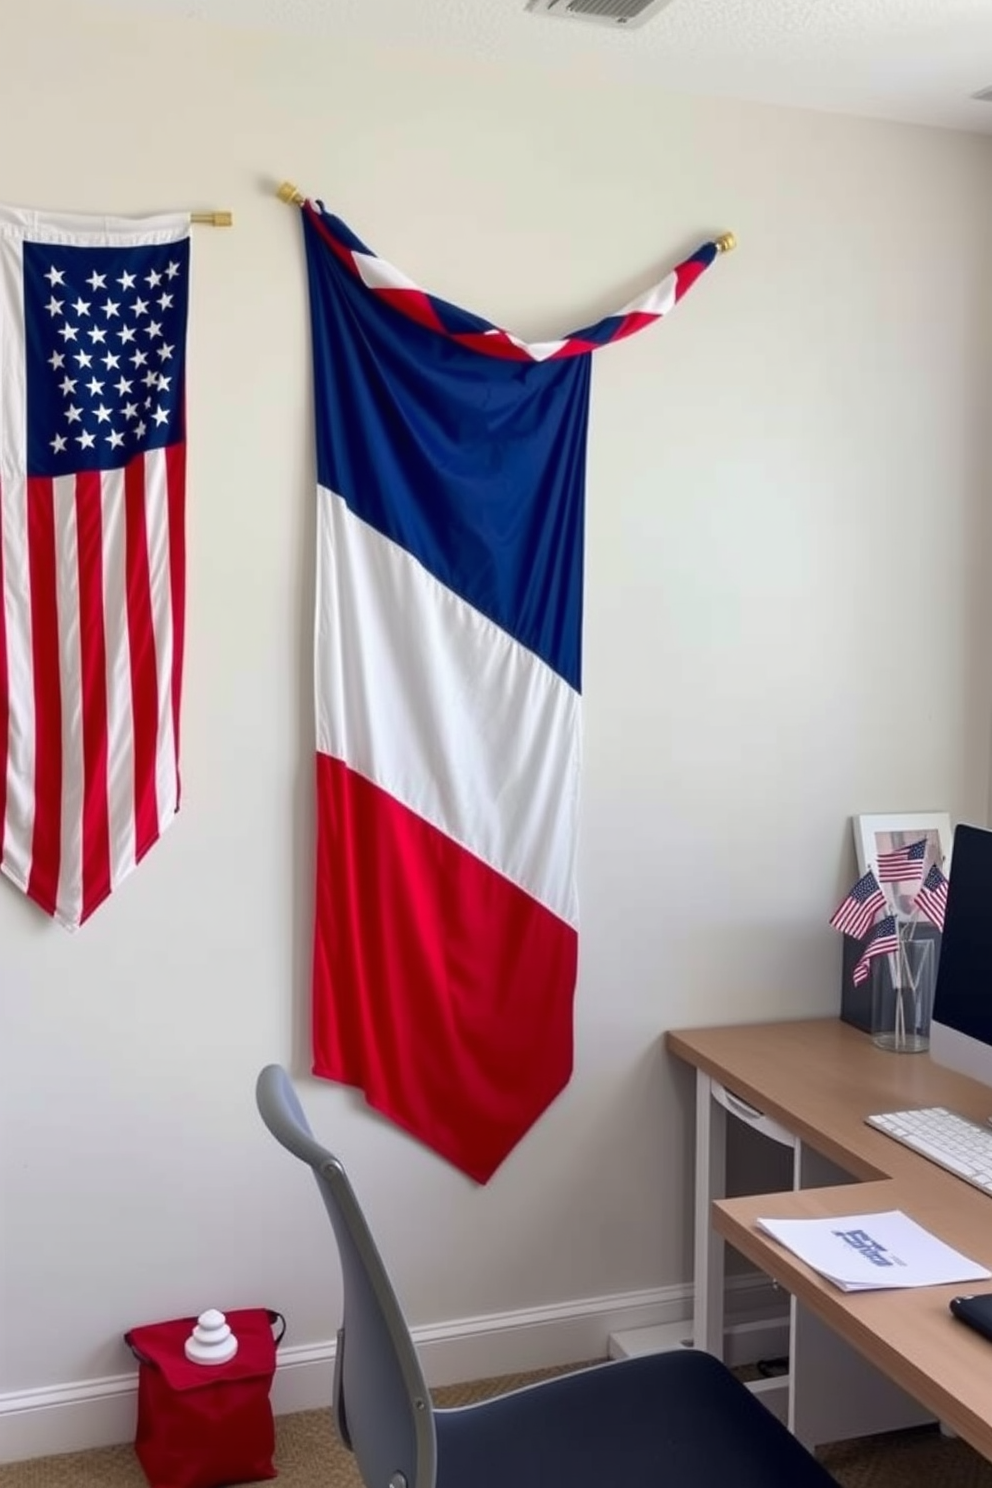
211, 1341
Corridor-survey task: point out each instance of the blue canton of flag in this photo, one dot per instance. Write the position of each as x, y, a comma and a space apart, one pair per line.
106, 332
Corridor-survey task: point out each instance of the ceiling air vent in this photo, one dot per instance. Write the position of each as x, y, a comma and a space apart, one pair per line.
603, 12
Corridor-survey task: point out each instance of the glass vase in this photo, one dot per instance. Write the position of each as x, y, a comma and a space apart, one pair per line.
902, 992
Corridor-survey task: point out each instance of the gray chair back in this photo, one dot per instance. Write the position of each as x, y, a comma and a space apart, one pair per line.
381, 1403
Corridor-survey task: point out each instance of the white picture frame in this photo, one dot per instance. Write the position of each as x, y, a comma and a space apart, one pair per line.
885, 831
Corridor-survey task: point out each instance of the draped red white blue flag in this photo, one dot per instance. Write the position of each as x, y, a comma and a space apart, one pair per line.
451, 488
92, 568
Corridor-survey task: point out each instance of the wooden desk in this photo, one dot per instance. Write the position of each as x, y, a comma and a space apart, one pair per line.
820, 1079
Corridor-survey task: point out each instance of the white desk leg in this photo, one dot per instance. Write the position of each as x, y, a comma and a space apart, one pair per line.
711, 1171
834, 1393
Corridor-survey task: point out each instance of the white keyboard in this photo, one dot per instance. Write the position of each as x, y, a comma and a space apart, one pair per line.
962, 1147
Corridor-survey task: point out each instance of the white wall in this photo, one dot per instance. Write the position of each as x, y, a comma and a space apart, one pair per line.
795, 455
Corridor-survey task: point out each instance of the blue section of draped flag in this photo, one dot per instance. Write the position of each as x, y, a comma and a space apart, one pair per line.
474, 465
105, 331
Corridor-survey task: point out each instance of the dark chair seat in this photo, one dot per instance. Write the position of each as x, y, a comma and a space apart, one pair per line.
675, 1420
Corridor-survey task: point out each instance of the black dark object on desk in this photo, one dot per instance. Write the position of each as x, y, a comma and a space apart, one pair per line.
975, 1311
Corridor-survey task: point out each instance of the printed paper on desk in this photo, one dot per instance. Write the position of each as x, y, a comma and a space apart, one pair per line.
868, 1252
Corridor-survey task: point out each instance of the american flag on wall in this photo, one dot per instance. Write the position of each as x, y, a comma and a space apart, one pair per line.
451, 488
92, 561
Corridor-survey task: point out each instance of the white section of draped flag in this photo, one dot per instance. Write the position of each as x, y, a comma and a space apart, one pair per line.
443, 710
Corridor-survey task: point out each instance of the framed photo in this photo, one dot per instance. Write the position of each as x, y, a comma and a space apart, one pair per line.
874, 835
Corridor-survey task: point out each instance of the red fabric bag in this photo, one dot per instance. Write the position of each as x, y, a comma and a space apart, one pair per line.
206, 1425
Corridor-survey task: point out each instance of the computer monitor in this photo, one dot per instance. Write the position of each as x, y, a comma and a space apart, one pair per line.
961, 1028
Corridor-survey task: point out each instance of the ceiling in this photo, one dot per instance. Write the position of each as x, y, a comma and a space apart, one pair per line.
916, 60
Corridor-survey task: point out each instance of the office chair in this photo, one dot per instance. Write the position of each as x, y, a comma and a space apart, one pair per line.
670, 1420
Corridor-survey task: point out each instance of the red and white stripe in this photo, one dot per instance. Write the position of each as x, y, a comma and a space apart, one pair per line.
93, 664
395, 287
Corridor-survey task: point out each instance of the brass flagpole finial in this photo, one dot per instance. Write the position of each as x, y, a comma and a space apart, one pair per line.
212, 219
290, 194
726, 243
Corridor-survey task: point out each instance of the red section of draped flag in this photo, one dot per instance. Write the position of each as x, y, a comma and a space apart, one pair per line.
479, 1040
414, 303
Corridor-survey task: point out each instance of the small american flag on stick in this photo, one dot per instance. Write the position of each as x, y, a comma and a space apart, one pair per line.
859, 909
931, 899
883, 939
902, 864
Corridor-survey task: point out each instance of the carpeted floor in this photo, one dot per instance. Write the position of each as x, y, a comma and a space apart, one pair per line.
308, 1456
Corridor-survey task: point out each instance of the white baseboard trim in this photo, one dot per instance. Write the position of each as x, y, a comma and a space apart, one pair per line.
101, 1412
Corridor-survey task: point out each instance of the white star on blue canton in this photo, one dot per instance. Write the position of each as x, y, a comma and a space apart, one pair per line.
116, 415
